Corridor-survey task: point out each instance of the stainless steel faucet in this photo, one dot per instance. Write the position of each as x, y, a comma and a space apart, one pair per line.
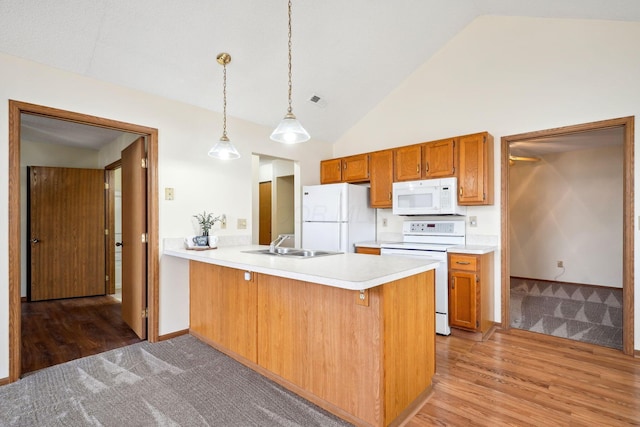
281, 238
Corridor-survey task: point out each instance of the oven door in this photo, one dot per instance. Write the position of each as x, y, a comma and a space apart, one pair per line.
442, 290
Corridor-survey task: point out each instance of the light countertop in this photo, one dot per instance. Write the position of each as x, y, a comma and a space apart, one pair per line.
346, 271
472, 249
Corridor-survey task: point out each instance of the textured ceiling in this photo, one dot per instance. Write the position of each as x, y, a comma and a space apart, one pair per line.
350, 53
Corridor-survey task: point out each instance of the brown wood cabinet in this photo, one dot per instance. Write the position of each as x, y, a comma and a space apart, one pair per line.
381, 167
439, 158
407, 162
468, 157
345, 169
350, 356
223, 307
330, 171
471, 292
475, 174
367, 250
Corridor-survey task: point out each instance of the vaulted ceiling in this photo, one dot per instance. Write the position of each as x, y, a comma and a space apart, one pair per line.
350, 53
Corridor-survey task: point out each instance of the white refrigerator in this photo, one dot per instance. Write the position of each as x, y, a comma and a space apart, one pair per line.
336, 216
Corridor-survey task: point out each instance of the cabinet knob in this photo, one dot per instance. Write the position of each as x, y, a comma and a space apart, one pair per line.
460, 191
463, 262
426, 168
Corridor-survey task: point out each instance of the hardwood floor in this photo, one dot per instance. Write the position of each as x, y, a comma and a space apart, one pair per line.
519, 378
57, 331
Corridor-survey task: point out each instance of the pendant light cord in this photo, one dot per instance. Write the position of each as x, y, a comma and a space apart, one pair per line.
224, 97
290, 109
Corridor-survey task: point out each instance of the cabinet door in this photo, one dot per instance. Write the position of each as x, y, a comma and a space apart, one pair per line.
463, 311
355, 168
475, 177
223, 307
381, 178
439, 159
408, 163
330, 171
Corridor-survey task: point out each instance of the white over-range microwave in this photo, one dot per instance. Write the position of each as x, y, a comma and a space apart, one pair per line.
427, 197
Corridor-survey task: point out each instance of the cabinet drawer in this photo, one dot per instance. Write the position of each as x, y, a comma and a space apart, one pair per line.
463, 262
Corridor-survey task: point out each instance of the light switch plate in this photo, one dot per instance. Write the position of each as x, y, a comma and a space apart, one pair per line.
168, 193
242, 223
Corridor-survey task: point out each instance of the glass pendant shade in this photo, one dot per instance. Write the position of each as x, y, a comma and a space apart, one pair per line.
224, 150
290, 131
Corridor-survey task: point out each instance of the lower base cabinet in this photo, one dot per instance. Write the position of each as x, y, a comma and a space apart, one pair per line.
471, 292
368, 357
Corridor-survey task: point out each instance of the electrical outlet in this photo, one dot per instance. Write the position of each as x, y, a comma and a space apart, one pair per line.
384, 222
242, 223
168, 193
560, 264
473, 221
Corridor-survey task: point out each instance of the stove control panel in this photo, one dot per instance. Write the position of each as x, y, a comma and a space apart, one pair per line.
434, 227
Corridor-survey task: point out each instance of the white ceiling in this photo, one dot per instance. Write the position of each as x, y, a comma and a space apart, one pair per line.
350, 53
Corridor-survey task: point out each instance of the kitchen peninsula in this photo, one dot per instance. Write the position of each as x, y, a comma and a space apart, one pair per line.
352, 333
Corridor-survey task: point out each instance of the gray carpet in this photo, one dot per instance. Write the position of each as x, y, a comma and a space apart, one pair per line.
583, 313
179, 382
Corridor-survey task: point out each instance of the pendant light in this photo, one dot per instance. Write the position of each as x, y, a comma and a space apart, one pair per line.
224, 149
290, 131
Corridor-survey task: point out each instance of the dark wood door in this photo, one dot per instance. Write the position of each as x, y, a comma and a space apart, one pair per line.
66, 250
264, 232
134, 237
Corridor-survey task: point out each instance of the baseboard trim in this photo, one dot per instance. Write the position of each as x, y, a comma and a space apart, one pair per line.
636, 354
4, 381
23, 299
172, 335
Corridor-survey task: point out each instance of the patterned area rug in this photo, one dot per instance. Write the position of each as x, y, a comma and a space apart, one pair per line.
178, 382
579, 312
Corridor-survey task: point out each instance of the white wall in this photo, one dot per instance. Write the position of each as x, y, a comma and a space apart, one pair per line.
510, 75
568, 207
186, 133
43, 154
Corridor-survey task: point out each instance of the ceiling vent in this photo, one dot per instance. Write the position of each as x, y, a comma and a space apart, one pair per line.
318, 100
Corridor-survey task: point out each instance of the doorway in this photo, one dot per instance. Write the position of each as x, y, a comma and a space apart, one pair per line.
625, 125
16, 111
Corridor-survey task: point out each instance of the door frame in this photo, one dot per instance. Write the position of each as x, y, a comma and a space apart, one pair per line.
16, 108
628, 281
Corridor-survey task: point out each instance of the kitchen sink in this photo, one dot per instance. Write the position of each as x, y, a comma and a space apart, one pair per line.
292, 252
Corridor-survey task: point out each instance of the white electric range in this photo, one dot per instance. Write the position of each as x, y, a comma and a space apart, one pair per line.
431, 239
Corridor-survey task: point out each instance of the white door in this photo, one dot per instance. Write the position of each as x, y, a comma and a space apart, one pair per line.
324, 203
325, 236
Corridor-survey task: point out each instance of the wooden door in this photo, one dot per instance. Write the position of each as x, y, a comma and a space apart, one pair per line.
381, 179
134, 237
264, 232
439, 159
408, 163
463, 300
224, 307
330, 171
355, 168
66, 252
475, 177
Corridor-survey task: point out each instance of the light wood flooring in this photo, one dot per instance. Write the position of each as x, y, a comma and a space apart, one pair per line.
58, 331
519, 378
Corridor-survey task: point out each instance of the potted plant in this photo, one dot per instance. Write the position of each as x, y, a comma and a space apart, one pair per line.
206, 221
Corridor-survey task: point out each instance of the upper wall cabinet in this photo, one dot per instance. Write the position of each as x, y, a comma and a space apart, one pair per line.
330, 171
439, 158
407, 162
468, 157
345, 169
475, 174
355, 168
381, 166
